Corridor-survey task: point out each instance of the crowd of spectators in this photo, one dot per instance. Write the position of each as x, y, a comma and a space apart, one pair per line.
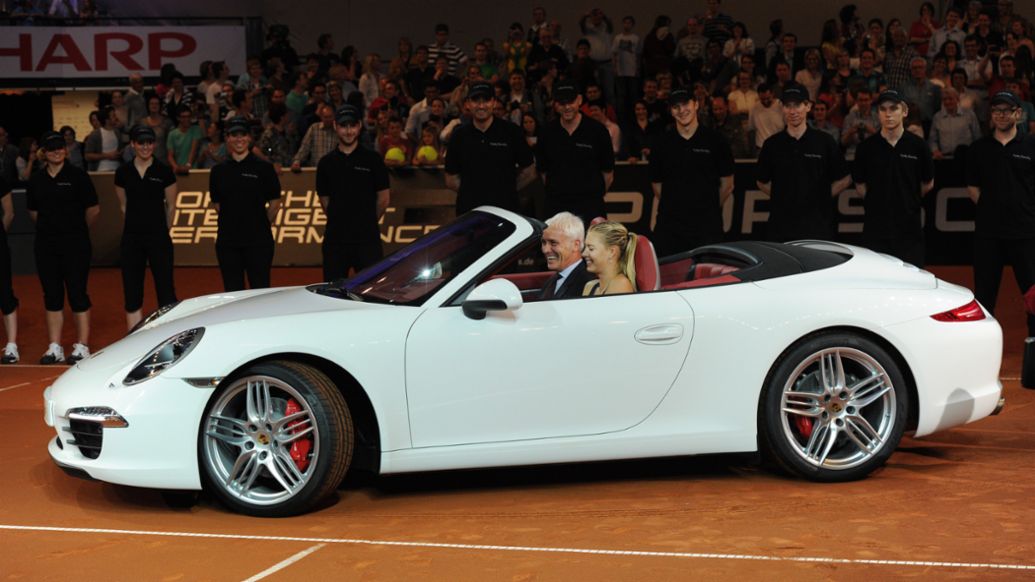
945, 65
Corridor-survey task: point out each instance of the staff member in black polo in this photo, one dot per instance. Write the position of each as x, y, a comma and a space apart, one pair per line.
801, 170
1001, 181
575, 158
63, 203
146, 189
246, 193
8, 302
489, 159
691, 172
893, 171
352, 183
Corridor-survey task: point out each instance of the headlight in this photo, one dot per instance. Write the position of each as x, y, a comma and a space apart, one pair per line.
153, 316
164, 356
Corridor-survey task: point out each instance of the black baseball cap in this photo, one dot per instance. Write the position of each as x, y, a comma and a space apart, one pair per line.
678, 96
238, 124
794, 93
890, 95
348, 115
481, 90
142, 133
52, 140
565, 92
442, 27
1005, 97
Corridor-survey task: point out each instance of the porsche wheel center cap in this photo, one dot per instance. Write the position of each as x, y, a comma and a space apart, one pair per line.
835, 407
263, 438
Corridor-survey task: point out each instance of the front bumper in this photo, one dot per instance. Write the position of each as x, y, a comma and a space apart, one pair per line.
144, 435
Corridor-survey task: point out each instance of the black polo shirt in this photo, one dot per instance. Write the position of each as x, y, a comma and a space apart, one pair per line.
689, 171
1006, 176
242, 190
488, 163
892, 176
351, 182
574, 164
800, 172
145, 197
61, 201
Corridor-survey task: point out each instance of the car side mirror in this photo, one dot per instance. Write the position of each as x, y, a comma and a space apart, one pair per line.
494, 295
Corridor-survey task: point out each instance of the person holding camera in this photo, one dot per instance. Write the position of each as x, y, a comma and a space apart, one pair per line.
860, 123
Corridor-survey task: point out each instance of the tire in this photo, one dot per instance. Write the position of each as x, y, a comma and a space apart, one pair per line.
245, 442
833, 408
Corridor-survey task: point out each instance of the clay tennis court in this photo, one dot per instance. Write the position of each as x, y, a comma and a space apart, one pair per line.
955, 506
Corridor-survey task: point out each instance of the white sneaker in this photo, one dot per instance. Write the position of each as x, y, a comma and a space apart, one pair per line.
79, 352
10, 354
54, 355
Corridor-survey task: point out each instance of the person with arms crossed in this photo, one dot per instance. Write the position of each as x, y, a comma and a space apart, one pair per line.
146, 189
691, 172
801, 170
488, 160
562, 246
63, 203
1001, 181
352, 182
246, 194
893, 171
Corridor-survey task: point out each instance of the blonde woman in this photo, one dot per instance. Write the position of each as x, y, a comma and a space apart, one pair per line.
609, 254
370, 80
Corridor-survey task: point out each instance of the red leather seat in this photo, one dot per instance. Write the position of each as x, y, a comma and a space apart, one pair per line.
708, 270
648, 274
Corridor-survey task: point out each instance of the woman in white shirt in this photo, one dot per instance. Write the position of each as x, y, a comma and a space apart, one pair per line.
741, 44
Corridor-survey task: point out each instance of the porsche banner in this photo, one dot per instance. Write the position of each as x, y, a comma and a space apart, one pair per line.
51, 52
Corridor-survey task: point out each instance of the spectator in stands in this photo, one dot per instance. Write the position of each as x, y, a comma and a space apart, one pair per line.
575, 158
370, 80
176, 96
739, 44
952, 30
990, 37
744, 98
320, 139
159, 124
538, 25
820, 121
488, 70
183, 142
543, 53
898, 59
970, 17
690, 49
212, 149
781, 78
515, 49
717, 26
658, 47
893, 171
276, 145
325, 54
595, 96
297, 97
973, 63
830, 43
626, 51
28, 161
789, 53
811, 76
641, 133
102, 145
999, 169
597, 29
420, 71
488, 160
442, 47
997, 81
583, 68
1020, 53
118, 107
257, 87
8, 155
146, 189
420, 111
860, 123
429, 152
518, 100
215, 89
8, 301
729, 127
717, 71
136, 105
74, 147
691, 174
1026, 120
921, 92
801, 169
867, 76
939, 75
610, 255
952, 53
394, 146
595, 112
280, 47
766, 118
969, 98
446, 81
952, 127
922, 29
851, 28
563, 239
63, 203
875, 40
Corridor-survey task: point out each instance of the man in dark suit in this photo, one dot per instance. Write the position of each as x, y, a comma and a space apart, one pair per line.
562, 246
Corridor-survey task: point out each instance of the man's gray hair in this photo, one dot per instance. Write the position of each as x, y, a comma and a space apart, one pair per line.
570, 225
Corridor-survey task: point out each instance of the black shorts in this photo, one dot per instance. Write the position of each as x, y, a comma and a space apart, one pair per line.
63, 264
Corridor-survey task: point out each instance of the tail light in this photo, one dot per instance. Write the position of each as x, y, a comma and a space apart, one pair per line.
969, 312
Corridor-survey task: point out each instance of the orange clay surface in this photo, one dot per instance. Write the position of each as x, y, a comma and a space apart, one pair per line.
954, 506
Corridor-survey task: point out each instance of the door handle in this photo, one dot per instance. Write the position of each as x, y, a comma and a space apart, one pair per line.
661, 334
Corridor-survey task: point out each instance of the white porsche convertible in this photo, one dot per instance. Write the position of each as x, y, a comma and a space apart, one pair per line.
442, 356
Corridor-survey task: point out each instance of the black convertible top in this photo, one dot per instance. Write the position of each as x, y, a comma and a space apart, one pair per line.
757, 260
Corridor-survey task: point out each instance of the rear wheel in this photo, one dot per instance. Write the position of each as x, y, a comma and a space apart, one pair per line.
834, 408
276, 440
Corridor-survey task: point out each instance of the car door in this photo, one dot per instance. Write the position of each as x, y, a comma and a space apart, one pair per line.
548, 369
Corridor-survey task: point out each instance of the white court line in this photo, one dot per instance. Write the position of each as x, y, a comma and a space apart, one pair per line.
281, 565
479, 547
13, 386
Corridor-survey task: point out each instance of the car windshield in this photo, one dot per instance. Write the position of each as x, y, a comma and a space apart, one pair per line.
410, 275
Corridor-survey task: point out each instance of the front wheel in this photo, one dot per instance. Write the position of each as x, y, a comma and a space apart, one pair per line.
834, 408
276, 440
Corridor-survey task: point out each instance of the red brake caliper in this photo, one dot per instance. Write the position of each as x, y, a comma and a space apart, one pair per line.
804, 426
300, 448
